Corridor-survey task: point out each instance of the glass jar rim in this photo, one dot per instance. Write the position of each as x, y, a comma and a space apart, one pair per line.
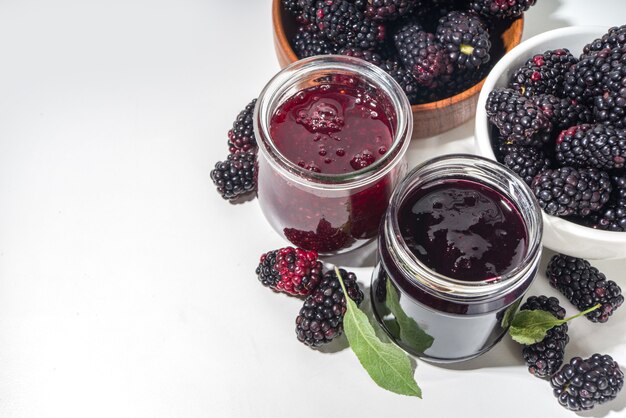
439, 283
359, 68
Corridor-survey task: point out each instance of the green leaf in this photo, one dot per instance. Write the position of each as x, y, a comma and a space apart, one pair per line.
509, 314
410, 332
530, 327
386, 364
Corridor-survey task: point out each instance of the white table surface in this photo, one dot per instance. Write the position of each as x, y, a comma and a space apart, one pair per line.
127, 285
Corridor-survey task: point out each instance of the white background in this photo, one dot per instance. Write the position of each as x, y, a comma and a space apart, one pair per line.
127, 285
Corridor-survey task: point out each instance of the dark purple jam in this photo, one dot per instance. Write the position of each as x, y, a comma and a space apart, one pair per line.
463, 230
332, 129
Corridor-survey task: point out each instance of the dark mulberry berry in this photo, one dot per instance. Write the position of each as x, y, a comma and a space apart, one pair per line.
290, 270
567, 191
584, 286
563, 113
583, 384
543, 73
526, 162
364, 54
308, 44
610, 107
544, 303
613, 216
404, 78
596, 146
501, 9
421, 54
295, 7
585, 79
614, 38
545, 357
390, 9
517, 117
321, 318
241, 137
236, 176
457, 82
465, 39
343, 24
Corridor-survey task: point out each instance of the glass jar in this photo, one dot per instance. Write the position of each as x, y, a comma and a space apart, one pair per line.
329, 213
439, 318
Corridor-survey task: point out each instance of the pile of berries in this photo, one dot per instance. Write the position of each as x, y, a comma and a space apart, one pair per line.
560, 125
298, 272
433, 48
236, 176
580, 384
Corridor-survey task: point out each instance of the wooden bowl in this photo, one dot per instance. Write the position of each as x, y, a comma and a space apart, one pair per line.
429, 118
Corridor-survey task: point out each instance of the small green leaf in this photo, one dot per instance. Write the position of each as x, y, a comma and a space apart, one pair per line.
530, 327
509, 314
410, 332
386, 364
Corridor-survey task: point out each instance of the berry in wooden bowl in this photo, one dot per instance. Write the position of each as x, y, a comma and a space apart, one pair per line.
439, 51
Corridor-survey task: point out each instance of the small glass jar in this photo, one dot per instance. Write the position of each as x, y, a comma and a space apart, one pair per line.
329, 213
438, 318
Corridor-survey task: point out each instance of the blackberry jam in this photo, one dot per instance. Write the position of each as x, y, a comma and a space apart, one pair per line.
459, 246
463, 230
332, 133
332, 129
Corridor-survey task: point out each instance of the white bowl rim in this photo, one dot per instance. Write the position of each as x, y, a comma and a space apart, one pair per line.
482, 125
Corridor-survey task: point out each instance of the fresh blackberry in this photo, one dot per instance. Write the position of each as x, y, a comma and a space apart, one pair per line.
585, 79
582, 384
584, 286
597, 146
290, 270
241, 137
321, 318
610, 107
390, 9
517, 117
544, 303
302, 10
236, 176
545, 357
526, 162
543, 73
295, 7
360, 4
614, 38
613, 216
465, 39
459, 81
563, 113
308, 44
364, 54
404, 78
567, 191
421, 54
343, 24
501, 9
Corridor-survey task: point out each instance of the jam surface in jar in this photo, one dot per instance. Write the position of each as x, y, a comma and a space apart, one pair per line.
463, 230
332, 129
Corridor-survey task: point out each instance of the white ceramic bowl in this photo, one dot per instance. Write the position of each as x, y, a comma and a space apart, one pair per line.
558, 234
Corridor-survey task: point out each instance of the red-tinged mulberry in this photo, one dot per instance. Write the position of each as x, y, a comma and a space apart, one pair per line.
290, 270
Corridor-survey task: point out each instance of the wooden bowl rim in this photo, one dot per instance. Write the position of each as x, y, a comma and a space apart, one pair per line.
279, 32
